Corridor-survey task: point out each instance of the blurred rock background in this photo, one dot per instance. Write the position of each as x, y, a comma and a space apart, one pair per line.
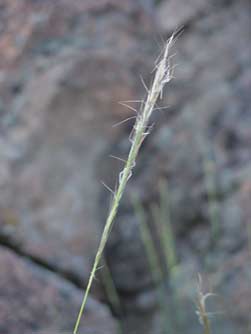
64, 67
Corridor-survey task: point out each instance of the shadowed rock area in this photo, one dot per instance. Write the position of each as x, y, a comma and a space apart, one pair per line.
33, 299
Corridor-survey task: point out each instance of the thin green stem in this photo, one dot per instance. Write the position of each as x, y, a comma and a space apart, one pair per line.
110, 287
167, 236
148, 243
209, 170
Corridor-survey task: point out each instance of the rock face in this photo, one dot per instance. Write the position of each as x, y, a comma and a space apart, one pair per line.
61, 85
64, 65
200, 148
35, 300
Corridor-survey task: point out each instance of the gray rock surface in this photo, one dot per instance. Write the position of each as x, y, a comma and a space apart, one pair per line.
199, 147
70, 71
34, 300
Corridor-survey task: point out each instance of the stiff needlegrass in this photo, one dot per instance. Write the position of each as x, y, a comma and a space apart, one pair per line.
111, 292
201, 308
163, 74
148, 242
210, 183
162, 220
110, 288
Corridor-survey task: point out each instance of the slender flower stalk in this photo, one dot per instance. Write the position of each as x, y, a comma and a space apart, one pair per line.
163, 75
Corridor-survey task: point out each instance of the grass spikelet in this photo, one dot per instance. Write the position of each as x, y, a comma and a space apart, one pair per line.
201, 308
163, 74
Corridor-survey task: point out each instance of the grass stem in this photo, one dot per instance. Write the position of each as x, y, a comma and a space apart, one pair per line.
163, 75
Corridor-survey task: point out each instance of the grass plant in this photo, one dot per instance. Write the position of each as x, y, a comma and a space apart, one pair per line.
148, 242
201, 308
162, 220
163, 75
210, 183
